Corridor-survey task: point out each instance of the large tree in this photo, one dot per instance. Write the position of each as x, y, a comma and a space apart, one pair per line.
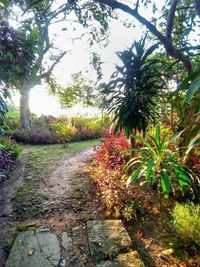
27, 48
24, 51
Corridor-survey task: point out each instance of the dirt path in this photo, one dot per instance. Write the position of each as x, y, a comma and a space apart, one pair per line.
66, 203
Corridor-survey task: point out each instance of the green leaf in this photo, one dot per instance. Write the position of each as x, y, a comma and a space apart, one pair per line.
183, 179
156, 144
186, 83
165, 183
193, 143
164, 143
135, 176
149, 170
158, 134
194, 87
130, 163
147, 144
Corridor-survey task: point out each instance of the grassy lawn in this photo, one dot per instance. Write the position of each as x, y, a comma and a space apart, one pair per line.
40, 156
38, 159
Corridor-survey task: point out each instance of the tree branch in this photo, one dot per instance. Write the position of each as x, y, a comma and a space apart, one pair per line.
137, 5
134, 13
169, 47
49, 71
170, 18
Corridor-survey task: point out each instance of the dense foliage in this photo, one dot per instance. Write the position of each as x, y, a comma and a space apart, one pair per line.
160, 164
107, 171
65, 132
4, 94
35, 136
9, 151
187, 221
48, 129
17, 54
134, 89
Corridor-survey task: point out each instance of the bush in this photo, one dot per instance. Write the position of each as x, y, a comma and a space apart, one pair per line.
64, 132
88, 128
11, 147
43, 122
107, 170
35, 136
13, 120
5, 161
187, 221
9, 151
86, 134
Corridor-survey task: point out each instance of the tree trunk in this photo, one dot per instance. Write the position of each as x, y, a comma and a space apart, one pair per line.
25, 119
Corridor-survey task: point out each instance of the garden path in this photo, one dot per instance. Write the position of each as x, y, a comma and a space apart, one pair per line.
65, 204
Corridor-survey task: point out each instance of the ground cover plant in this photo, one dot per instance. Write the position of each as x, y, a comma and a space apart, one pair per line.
9, 152
187, 221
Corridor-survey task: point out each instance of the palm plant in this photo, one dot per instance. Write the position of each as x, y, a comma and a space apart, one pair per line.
133, 91
159, 164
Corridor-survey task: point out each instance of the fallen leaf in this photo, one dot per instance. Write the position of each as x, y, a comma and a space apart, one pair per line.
138, 234
183, 264
30, 251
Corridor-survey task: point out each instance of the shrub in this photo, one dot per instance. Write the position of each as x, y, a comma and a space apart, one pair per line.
107, 171
42, 122
86, 134
11, 147
35, 136
5, 160
88, 128
160, 165
64, 132
111, 155
9, 151
187, 221
13, 119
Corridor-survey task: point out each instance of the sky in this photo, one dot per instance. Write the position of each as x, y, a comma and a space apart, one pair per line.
79, 60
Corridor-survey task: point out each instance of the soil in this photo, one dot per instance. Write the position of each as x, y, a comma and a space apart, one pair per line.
66, 203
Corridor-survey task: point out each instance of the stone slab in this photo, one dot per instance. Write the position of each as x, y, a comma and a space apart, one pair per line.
34, 249
107, 239
66, 241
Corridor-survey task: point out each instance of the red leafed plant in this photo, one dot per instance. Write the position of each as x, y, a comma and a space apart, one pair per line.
107, 170
114, 152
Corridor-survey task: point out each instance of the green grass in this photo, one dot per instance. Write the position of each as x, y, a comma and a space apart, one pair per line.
83, 144
40, 156
38, 160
